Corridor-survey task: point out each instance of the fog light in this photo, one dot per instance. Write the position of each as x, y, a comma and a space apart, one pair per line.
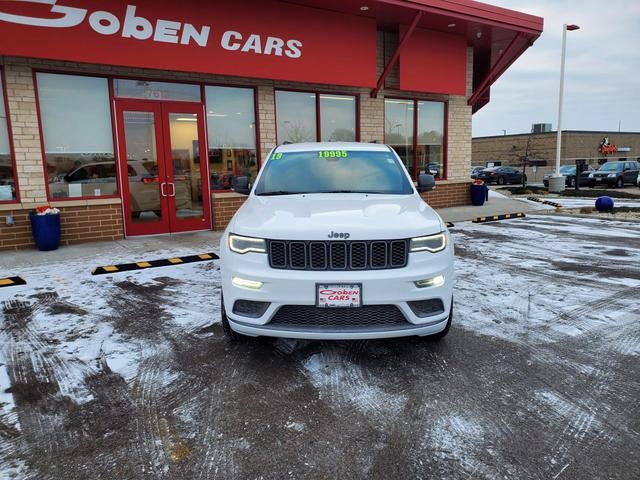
430, 282
244, 283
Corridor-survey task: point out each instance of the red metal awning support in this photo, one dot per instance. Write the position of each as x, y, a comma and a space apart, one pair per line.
396, 55
499, 67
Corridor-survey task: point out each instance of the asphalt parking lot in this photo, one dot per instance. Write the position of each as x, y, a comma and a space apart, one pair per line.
129, 376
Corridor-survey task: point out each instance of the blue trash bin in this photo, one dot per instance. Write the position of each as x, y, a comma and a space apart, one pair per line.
46, 231
479, 194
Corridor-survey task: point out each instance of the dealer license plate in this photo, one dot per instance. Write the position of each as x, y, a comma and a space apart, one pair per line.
339, 295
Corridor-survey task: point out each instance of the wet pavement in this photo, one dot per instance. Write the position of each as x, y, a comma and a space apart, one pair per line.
129, 375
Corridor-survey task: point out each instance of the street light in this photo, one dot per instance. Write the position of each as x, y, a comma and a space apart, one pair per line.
556, 181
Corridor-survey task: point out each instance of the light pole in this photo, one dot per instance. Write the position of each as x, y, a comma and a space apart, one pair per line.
556, 181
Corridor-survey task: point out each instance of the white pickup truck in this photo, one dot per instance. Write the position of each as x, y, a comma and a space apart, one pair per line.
335, 242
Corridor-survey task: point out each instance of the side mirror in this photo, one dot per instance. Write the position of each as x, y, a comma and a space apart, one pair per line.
426, 183
241, 185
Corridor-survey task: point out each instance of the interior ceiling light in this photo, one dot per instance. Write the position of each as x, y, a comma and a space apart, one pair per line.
451, 25
479, 34
364, 8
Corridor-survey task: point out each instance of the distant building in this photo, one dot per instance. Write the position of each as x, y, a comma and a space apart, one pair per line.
595, 147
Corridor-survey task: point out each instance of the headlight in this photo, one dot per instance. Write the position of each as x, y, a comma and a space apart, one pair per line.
612, 175
591, 175
432, 243
244, 245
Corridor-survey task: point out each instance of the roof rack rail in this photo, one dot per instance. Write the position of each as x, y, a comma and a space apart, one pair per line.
373, 141
286, 142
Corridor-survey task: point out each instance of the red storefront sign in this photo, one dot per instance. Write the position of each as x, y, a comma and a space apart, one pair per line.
248, 38
434, 62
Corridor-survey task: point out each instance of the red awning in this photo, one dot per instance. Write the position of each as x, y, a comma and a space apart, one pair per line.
498, 35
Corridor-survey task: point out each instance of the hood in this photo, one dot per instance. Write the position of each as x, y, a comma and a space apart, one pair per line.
316, 216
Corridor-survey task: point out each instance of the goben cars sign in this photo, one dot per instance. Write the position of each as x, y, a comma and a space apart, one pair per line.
264, 39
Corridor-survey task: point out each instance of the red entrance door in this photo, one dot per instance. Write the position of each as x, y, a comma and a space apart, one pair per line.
163, 167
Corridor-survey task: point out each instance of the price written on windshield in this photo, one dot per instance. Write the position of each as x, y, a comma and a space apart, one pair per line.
332, 154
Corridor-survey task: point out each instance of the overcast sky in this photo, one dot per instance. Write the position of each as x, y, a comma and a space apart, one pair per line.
602, 82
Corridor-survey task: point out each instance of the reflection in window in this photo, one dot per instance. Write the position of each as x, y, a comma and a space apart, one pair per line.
78, 139
424, 152
337, 118
430, 143
296, 117
398, 129
231, 127
185, 158
7, 175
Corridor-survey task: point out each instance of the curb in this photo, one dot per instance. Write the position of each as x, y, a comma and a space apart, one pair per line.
12, 281
494, 218
165, 262
546, 202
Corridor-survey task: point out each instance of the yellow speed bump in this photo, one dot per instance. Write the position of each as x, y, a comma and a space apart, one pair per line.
494, 218
12, 281
164, 262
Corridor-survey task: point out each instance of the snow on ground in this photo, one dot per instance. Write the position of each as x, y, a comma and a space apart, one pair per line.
570, 269
545, 330
567, 202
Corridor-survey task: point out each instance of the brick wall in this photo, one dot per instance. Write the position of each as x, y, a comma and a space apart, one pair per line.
449, 195
508, 149
78, 224
224, 206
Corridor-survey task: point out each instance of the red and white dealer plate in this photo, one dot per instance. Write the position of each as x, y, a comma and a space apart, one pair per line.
339, 295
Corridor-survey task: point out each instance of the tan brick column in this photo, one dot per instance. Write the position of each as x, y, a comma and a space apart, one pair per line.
267, 118
26, 136
459, 130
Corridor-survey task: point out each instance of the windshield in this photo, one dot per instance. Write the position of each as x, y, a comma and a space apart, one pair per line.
333, 171
611, 167
567, 169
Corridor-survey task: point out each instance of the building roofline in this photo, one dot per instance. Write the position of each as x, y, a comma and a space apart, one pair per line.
555, 132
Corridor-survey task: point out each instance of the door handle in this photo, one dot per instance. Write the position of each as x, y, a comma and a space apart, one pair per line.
173, 189
162, 192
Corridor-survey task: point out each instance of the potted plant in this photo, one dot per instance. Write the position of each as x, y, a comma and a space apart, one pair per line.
45, 226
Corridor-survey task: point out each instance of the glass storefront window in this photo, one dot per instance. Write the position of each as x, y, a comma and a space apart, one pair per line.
337, 118
296, 117
231, 130
78, 138
430, 143
398, 129
149, 90
417, 136
7, 174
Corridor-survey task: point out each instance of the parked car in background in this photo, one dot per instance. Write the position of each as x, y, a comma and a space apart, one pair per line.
475, 171
638, 180
569, 173
501, 175
615, 174
96, 178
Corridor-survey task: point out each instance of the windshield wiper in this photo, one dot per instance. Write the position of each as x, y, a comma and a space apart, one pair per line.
278, 192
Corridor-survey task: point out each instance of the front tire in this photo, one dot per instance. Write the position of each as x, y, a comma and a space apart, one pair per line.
501, 181
443, 333
572, 183
620, 183
231, 335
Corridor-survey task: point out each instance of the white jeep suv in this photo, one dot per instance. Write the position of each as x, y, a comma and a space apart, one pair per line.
335, 242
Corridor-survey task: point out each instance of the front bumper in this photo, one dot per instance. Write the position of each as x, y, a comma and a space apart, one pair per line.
603, 181
379, 287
